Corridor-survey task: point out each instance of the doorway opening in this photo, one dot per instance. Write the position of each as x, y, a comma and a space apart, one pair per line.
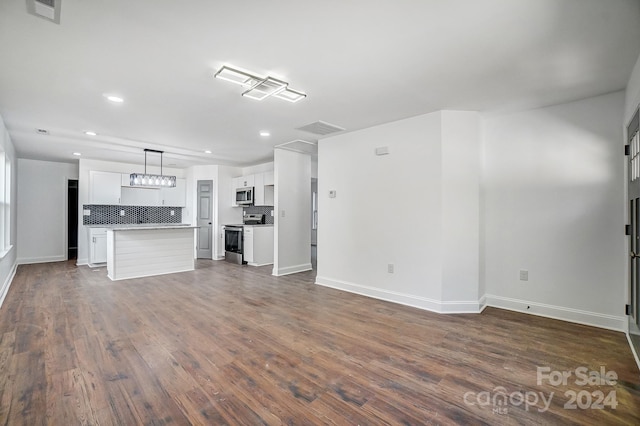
72, 219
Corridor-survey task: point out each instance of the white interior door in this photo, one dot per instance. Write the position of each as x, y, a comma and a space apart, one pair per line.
205, 220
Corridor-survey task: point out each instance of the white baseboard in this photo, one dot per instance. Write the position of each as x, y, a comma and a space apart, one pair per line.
633, 349
7, 283
46, 259
292, 269
81, 262
453, 307
610, 322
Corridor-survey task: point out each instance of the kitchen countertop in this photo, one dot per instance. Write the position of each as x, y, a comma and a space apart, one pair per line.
258, 225
133, 227
140, 225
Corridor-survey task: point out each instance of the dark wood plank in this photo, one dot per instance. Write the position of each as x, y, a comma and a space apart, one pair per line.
232, 345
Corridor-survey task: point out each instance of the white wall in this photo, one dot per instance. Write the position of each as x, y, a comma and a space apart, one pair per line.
632, 94
292, 227
553, 189
8, 259
85, 166
42, 210
460, 208
416, 208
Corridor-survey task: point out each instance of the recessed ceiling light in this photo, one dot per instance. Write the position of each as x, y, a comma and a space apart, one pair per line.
265, 133
207, 152
90, 133
77, 154
114, 98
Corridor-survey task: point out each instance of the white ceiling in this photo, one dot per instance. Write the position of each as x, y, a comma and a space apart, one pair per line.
361, 62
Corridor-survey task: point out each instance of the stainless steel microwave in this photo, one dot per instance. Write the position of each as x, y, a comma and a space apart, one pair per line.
244, 196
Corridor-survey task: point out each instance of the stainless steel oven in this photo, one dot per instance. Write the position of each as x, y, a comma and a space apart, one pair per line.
233, 244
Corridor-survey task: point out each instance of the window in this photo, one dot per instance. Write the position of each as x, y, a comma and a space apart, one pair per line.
5, 203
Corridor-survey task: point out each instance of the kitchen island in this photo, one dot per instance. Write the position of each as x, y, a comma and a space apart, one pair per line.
135, 251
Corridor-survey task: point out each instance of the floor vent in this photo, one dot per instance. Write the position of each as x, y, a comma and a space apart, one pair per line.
47, 9
321, 128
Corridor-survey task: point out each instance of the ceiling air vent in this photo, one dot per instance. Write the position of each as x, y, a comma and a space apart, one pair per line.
320, 128
47, 9
299, 145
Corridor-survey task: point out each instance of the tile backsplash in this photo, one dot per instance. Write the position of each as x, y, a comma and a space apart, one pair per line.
265, 210
111, 215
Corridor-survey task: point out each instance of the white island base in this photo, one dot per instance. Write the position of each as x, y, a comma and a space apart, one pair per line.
134, 252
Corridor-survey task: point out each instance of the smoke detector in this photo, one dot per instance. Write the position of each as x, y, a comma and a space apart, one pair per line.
46, 9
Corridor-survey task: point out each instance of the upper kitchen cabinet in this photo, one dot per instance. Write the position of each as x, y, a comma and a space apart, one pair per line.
132, 196
174, 197
263, 192
244, 181
262, 184
269, 178
104, 187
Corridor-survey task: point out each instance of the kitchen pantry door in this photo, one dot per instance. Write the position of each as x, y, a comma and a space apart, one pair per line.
633, 172
205, 220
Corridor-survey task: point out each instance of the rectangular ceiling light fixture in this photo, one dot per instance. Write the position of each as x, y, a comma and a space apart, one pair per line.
259, 87
267, 87
290, 95
236, 76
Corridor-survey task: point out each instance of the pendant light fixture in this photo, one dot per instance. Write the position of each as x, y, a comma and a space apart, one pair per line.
148, 180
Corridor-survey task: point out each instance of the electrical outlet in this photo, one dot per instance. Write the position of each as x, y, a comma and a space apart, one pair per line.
332, 193
173, 212
524, 275
271, 213
86, 212
281, 213
390, 268
121, 212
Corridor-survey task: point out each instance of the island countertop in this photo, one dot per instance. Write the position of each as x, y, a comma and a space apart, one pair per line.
144, 227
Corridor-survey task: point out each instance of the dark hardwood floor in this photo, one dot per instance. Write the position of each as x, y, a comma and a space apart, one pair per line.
233, 345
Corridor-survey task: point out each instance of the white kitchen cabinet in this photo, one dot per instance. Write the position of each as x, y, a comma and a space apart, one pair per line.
269, 178
132, 196
245, 181
176, 196
263, 193
248, 244
258, 245
258, 190
97, 246
104, 187
125, 179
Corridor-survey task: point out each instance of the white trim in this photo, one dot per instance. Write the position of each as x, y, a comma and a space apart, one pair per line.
288, 270
81, 262
633, 350
260, 264
7, 283
5, 252
610, 322
45, 259
448, 307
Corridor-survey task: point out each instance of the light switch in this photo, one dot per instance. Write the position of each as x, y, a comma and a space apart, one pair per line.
271, 213
173, 212
282, 213
332, 193
121, 212
86, 212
